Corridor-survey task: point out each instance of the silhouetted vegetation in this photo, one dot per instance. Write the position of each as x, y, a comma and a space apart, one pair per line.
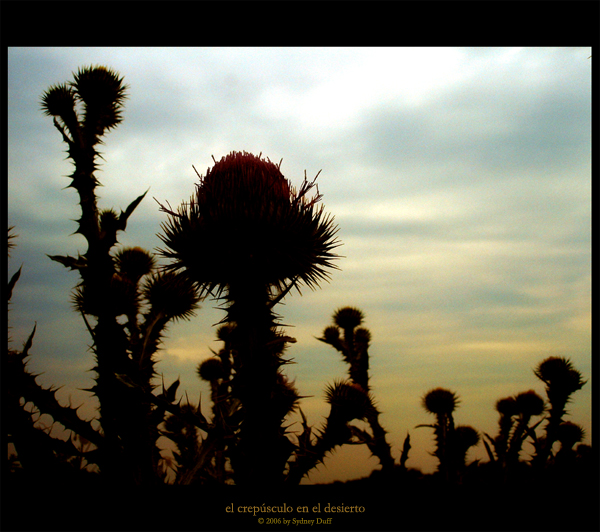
266, 239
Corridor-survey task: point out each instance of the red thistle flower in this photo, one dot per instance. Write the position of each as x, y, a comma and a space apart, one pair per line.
246, 221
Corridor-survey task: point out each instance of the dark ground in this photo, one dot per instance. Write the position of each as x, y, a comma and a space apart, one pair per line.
417, 504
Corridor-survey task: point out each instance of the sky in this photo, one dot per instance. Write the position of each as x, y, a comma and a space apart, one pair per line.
460, 179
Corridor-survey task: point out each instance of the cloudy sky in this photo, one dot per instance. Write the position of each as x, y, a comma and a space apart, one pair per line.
460, 179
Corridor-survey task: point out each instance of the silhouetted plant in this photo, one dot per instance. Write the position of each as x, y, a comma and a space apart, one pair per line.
568, 434
348, 401
115, 284
442, 403
218, 372
528, 404
508, 410
270, 238
353, 341
24, 401
465, 437
562, 380
246, 237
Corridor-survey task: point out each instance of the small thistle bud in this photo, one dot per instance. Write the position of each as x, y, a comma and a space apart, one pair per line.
362, 337
466, 436
58, 100
109, 220
211, 370
174, 294
440, 401
348, 400
529, 403
348, 317
507, 406
569, 434
331, 335
134, 262
225, 331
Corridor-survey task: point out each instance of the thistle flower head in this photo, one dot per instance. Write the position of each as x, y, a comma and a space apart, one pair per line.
246, 221
362, 337
507, 406
348, 317
529, 403
569, 434
103, 92
171, 293
348, 400
440, 401
331, 335
58, 100
559, 375
211, 369
134, 262
225, 331
109, 220
466, 436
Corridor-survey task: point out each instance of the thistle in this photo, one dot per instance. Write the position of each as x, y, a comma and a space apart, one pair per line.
442, 403
348, 401
37, 451
527, 404
114, 284
266, 237
562, 380
568, 434
348, 337
508, 410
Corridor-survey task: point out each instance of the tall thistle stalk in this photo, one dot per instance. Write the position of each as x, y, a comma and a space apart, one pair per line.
247, 236
350, 339
562, 380
115, 284
442, 403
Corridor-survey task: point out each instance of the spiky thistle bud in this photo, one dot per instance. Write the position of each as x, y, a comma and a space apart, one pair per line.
568, 434
348, 317
440, 401
466, 436
173, 294
59, 100
362, 337
103, 92
559, 374
225, 331
507, 407
529, 403
134, 262
331, 335
348, 400
109, 221
211, 369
